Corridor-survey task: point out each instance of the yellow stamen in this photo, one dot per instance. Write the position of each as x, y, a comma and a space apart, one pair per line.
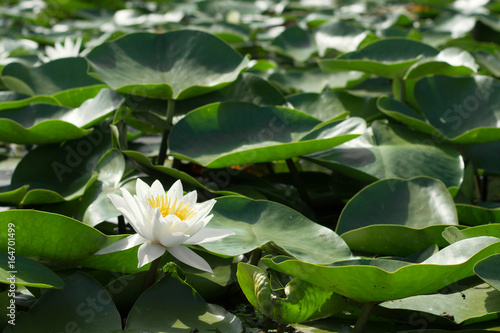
183, 210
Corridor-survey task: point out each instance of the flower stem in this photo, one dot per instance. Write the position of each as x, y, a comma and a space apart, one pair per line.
363, 317
255, 257
162, 154
299, 184
281, 328
151, 277
122, 229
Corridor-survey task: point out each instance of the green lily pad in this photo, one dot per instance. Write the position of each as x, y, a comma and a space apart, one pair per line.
82, 304
480, 230
13, 100
27, 272
303, 302
472, 305
94, 206
247, 88
64, 80
334, 105
45, 123
377, 280
63, 172
394, 152
258, 222
184, 311
230, 133
450, 61
477, 215
229, 32
464, 109
51, 238
295, 43
488, 269
403, 113
489, 61
338, 35
379, 58
398, 217
172, 65
314, 80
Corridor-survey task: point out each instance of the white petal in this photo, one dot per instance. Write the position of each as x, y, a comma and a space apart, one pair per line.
175, 192
196, 227
173, 239
190, 198
206, 235
141, 190
156, 189
123, 208
190, 258
141, 224
123, 244
151, 218
149, 252
203, 208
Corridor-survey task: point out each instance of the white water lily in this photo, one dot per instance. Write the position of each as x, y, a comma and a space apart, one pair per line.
60, 50
165, 222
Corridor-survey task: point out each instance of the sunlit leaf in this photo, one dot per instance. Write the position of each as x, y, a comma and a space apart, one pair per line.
172, 65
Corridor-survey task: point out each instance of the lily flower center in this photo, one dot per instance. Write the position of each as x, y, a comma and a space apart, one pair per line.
167, 206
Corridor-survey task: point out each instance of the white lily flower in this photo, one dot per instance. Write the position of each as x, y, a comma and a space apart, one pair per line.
66, 50
165, 222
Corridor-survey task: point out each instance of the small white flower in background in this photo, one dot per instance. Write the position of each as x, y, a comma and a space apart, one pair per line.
165, 222
66, 50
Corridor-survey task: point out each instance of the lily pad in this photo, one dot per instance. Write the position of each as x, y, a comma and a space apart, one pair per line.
82, 304
259, 222
295, 43
172, 65
51, 238
488, 269
314, 80
450, 61
303, 302
247, 88
338, 35
94, 206
464, 109
463, 306
403, 113
63, 172
398, 217
45, 123
391, 279
378, 58
184, 312
334, 105
224, 134
13, 100
394, 152
27, 272
64, 80
477, 215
